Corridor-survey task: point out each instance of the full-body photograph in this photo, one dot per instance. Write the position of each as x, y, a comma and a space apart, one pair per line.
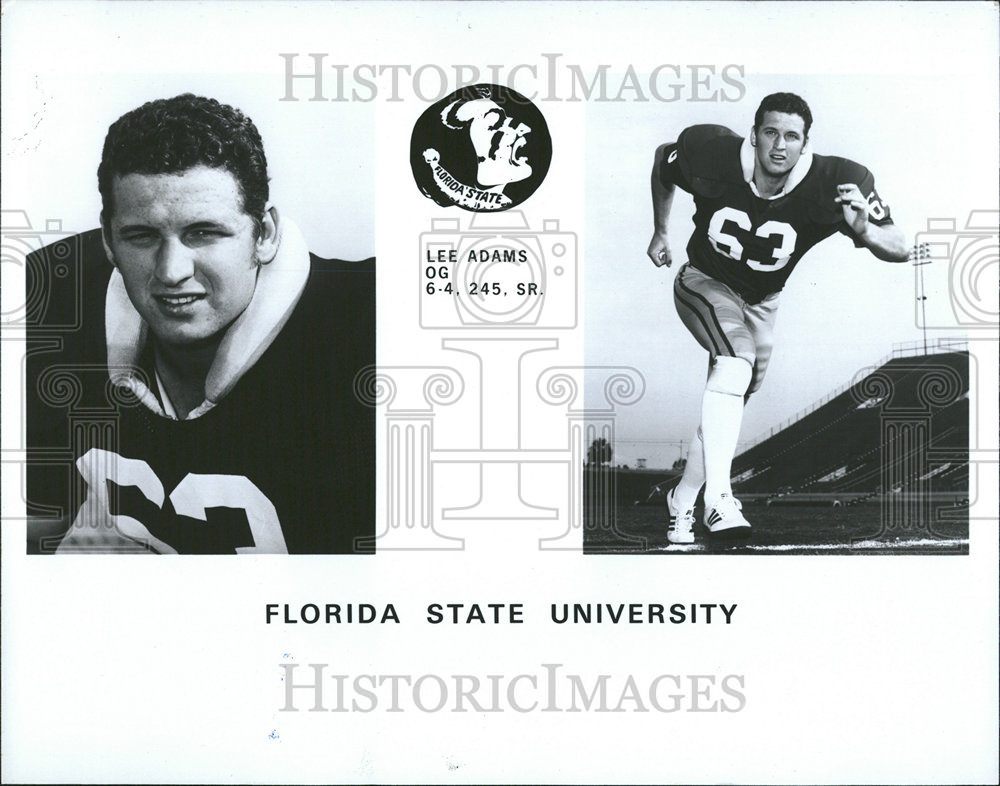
761, 203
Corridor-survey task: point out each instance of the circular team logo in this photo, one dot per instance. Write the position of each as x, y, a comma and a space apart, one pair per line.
483, 148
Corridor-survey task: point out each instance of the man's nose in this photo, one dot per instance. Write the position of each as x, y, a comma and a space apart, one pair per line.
780, 143
174, 263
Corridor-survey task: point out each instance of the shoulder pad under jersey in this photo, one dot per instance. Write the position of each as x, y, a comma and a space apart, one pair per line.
820, 186
709, 157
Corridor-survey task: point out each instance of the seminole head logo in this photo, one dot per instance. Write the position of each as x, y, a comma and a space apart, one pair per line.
482, 148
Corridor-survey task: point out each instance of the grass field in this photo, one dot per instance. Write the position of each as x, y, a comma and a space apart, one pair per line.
853, 529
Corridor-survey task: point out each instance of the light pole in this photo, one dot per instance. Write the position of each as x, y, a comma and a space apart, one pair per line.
920, 256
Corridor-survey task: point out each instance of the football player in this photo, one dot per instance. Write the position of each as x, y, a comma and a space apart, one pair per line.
760, 204
205, 401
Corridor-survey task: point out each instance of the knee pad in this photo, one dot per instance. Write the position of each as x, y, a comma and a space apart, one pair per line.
730, 375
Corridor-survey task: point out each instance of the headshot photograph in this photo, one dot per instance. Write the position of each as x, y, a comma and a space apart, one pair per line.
191, 365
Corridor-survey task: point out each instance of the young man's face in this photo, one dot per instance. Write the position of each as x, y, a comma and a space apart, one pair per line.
187, 251
779, 142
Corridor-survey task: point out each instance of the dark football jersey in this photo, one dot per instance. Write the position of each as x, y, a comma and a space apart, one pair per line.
283, 462
750, 243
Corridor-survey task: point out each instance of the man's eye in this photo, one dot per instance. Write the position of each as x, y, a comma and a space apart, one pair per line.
139, 238
204, 235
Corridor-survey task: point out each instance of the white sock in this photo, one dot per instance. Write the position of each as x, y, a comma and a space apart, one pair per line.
721, 418
693, 478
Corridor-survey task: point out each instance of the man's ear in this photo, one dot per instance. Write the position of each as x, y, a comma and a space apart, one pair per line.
105, 232
753, 137
269, 238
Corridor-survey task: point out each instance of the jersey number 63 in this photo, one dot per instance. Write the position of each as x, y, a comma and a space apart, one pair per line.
725, 243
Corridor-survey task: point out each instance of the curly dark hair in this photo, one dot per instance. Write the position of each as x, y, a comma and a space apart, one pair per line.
171, 135
789, 103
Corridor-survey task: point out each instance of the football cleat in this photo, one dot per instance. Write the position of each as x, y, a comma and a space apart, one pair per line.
680, 523
724, 520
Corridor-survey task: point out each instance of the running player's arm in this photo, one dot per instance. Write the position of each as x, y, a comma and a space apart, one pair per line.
663, 198
883, 238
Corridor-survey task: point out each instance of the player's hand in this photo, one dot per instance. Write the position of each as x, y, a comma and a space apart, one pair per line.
855, 207
659, 251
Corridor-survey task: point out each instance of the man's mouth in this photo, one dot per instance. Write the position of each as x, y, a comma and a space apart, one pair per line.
177, 303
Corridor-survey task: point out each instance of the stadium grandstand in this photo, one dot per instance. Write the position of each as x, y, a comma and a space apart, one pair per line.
900, 426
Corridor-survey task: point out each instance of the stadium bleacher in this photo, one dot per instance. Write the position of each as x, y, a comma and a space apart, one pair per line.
901, 427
